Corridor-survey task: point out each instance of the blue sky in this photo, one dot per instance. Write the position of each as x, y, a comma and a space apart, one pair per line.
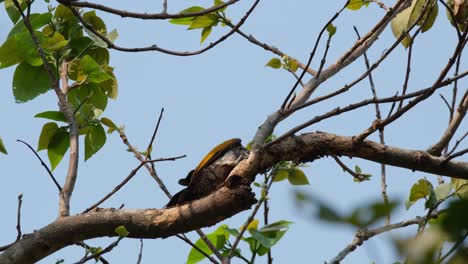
224, 93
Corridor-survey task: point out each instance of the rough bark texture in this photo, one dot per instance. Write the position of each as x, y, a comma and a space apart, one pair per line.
231, 197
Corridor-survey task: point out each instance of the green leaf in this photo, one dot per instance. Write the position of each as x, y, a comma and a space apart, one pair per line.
274, 63
461, 187
280, 175
186, 20
218, 238
68, 26
297, 177
112, 127
460, 11
431, 19
110, 86
19, 48
57, 147
204, 21
2, 147
12, 11
29, 82
88, 69
94, 140
121, 231
331, 29
53, 115
292, 65
96, 22
355, 4
276, 226
93, 71
47, 132
56, 42
36, 20
205, 33
442, 191
421, 189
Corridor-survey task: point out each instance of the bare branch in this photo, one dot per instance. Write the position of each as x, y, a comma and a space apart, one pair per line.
111, 45
100, 253
457, 118
364, 235
151, 16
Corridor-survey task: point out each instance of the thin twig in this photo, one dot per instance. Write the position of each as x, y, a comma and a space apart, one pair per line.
140, 157
312, 54
18, 217
363, 235
457, 143
354, 106
152, 16
454, 247
43, 165
456, 154
127, 179
100, 253
150, 144
357, 176
111, 45
378, 116
184, 238
88, 247
140, 254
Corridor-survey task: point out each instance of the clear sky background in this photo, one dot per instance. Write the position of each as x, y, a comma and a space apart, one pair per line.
224, 93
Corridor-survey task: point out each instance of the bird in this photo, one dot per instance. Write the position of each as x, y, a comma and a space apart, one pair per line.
210, 173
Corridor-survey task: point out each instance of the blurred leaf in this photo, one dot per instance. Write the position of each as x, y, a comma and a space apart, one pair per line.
11, 10
186, 20
297, 177
421, 189
58, 146
455, 221
218, 238
121, 231
274, 63
431, 19
252, 225
94, 140
2, 147
280, 175
461, 187
53, 115
29, 82
442, 191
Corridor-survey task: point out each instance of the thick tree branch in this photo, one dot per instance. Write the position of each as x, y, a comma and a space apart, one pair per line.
141, 223
235, 196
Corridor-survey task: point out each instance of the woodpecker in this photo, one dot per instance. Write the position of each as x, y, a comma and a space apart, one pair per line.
210, 172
